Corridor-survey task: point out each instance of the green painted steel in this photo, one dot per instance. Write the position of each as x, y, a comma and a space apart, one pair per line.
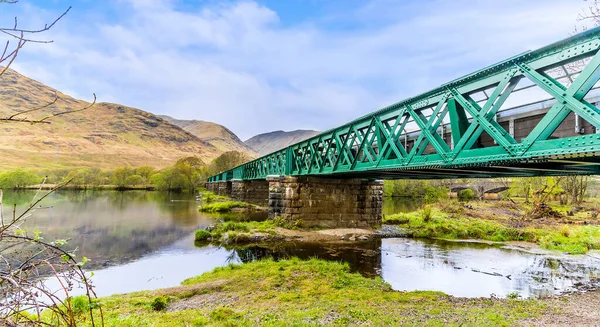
377, 145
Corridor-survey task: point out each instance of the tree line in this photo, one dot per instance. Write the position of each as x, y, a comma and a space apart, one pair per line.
565, 189
186, 175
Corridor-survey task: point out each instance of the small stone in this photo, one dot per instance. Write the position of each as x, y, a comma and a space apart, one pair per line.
363, 238
352, 238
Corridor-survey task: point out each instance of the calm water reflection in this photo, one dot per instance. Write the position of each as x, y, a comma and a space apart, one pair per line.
396, 205
113, 227
144, 240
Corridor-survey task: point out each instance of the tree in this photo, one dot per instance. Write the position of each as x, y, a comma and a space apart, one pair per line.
134, 180
119, 176
589, 14
575, 188
169, 179
194, 171
228, 160
18, 179
145, 172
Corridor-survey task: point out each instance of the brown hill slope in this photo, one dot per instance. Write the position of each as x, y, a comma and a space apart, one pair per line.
273, 141
105, 136
214, 134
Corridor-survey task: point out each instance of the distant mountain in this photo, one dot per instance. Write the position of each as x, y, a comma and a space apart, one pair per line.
273, 141
106, 136
214, 134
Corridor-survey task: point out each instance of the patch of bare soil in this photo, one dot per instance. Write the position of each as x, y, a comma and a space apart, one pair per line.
582, 309
485, 210
327, 235
207, 301
190, 290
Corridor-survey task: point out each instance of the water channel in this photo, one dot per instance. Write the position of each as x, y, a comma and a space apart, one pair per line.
144, 240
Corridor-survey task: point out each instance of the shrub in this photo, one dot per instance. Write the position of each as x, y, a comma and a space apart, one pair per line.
466, 195
565, 231
513, 295
159, 303
80, 305
202, 235
426, 214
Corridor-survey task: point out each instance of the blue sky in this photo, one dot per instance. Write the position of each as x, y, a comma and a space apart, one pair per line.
258, 66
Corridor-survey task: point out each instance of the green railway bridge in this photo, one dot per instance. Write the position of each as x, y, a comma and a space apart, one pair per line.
534, 114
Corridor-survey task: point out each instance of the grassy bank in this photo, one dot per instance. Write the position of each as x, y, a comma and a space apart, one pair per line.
301, 293
453, 222
225, 206
213, 203
236, 232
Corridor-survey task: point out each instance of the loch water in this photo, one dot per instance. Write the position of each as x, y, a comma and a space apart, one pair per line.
138, 240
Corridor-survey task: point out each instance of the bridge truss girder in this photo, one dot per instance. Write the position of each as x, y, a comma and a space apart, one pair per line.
372, 146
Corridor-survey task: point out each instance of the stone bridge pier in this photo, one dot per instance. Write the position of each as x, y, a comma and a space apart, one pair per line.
254, 191
311, 201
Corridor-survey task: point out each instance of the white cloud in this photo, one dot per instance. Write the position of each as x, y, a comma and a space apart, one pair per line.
239, 65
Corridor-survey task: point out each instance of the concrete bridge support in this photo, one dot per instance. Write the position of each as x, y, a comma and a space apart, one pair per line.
325, 202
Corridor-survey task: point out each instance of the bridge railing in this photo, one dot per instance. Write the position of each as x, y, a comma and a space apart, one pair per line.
455, 125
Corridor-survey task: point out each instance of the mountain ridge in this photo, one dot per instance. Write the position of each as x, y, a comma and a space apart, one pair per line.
266, 143
105, 136
215, 134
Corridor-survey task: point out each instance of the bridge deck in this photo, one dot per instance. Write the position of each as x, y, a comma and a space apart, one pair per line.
532, 114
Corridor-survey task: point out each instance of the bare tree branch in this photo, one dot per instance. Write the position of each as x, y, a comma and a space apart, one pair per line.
38, 108
43, 120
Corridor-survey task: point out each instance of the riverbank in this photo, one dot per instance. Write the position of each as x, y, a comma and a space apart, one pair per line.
501, 222
317, 292
566, 231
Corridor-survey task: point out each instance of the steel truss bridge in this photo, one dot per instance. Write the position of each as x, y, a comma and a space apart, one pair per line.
530, 115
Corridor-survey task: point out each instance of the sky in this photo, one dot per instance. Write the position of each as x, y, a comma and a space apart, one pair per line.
265, 65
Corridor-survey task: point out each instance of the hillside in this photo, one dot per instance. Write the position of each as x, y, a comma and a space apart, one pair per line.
214, 134
105, 136
273, 141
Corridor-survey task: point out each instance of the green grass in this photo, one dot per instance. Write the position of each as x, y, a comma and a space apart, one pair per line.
306, 293
235, 231
568, 238
224, 206
209, 196
202, 235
